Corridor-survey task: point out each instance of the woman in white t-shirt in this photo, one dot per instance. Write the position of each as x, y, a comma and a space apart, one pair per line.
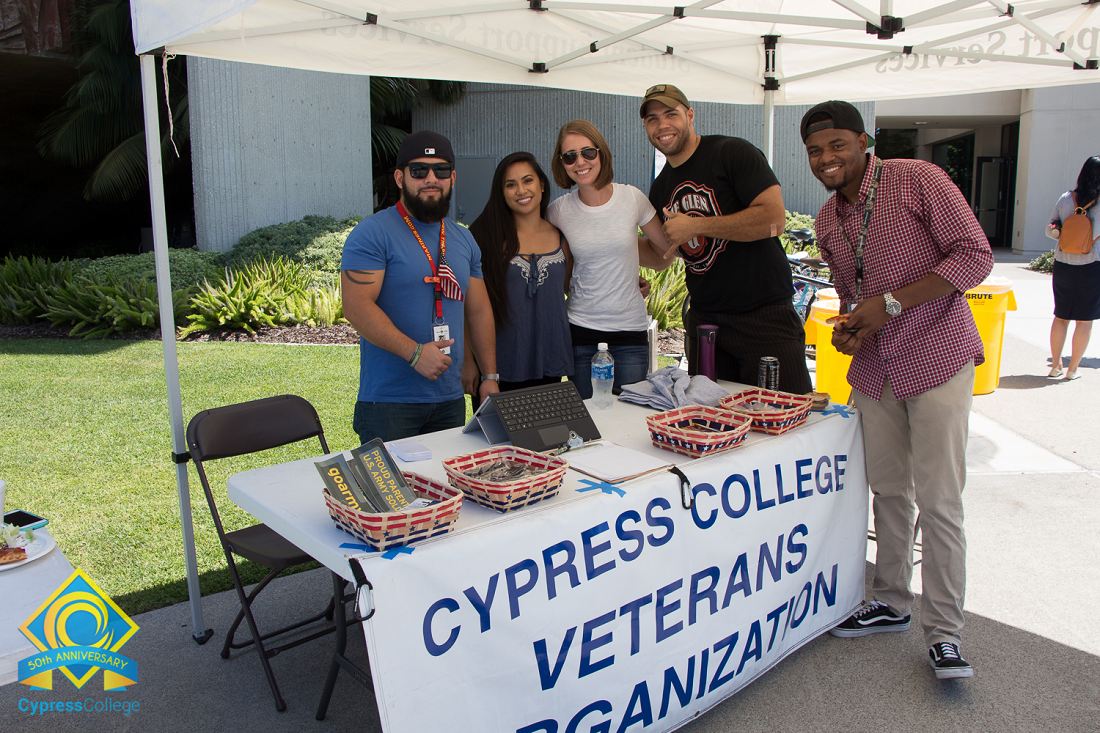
600, 219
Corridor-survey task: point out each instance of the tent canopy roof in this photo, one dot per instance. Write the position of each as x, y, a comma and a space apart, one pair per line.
715, 50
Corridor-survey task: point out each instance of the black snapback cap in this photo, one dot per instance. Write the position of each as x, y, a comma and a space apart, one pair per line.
843, 116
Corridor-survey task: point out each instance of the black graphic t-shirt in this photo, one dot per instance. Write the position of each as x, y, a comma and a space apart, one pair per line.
724, 176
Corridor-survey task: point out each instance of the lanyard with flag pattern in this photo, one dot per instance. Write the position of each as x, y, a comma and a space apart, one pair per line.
444, 278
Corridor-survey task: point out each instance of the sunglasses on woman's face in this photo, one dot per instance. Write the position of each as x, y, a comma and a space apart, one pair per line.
587, 153
420, 170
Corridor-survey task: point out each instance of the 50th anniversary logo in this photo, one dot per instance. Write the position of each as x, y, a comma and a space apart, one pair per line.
79, 631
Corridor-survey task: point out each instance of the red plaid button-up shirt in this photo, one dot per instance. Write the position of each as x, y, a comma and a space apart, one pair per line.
921, 224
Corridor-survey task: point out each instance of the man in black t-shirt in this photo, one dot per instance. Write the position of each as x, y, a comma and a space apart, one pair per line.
722, 206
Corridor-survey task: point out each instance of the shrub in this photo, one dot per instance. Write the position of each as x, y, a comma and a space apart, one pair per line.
1043, 263
187, 267
666, 295
22, 278
100, 305
315, 241
275, 292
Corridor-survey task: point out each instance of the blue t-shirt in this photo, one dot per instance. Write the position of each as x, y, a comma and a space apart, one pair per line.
384, 242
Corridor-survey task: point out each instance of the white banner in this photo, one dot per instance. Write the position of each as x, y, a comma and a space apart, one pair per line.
625, 611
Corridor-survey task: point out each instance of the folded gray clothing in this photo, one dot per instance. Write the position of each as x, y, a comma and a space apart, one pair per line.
670, 387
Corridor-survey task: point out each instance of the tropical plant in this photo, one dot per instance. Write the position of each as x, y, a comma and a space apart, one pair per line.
667, 291
99, 306
265, 292
394, 97
22, 278
102, 123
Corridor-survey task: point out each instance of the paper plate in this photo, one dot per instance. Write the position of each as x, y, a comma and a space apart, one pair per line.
42, 545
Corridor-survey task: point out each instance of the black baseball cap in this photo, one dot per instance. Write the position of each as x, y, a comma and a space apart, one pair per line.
666, 94
424, 144
843, 116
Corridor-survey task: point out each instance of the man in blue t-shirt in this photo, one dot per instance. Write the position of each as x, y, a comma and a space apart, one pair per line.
411, 281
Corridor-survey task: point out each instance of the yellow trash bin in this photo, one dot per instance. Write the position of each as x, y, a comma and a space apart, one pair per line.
832, 366
989, 302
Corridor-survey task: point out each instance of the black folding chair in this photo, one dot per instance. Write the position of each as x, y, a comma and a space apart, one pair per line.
250, 427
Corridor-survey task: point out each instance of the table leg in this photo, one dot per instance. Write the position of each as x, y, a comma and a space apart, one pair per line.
338, 658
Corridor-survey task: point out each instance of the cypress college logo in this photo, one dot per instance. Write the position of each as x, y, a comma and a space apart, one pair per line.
79, 631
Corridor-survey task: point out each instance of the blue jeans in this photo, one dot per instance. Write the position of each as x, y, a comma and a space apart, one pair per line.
397, 420
631, 365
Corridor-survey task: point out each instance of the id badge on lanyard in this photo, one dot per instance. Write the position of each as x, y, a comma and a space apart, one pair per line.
442, 332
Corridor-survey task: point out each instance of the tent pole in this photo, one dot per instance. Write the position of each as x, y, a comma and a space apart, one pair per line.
769, 126
168, 335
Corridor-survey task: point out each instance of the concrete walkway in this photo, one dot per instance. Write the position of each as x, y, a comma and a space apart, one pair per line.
1032, 633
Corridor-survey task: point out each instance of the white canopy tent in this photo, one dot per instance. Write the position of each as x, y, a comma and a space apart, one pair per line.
736, 51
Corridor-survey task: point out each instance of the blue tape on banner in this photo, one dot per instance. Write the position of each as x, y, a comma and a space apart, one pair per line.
602, 486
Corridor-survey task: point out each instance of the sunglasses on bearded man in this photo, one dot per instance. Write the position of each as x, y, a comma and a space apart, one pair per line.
420, 170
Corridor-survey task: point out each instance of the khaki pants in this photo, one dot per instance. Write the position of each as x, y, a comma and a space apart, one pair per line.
916, 452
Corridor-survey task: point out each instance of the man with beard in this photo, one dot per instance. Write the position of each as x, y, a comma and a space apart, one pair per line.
411, 280
903, 247
723, 208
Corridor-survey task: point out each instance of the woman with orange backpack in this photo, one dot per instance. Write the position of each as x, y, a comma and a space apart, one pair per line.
1076, 268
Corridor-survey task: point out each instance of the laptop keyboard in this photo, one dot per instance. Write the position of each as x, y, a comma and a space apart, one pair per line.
552, 404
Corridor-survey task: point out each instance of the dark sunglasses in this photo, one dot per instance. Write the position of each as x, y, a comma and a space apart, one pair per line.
420, 170
587, 153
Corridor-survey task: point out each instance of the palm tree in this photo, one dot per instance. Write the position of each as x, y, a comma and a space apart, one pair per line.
101, 123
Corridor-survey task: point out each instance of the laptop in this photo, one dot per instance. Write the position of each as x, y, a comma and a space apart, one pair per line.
537, 418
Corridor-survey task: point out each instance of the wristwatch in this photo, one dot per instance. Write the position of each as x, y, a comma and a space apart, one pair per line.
494, 377
893, 307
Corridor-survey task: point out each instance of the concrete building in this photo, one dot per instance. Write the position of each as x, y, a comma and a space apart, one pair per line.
272, 145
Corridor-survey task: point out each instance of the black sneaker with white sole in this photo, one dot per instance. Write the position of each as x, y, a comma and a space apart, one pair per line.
874, 618
948, 662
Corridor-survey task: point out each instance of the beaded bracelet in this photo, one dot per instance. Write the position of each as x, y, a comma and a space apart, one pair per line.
416, 355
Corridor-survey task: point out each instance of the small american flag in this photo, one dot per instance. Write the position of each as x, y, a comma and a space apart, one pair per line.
447, 280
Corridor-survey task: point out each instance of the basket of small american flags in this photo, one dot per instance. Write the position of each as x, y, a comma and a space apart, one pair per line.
506, 478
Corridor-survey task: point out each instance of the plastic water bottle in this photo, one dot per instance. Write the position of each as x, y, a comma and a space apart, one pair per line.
603, 376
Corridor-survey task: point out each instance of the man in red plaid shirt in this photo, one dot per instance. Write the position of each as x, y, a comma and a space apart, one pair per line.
903, 247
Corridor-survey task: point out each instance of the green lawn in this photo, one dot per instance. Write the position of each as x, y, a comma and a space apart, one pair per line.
85, 441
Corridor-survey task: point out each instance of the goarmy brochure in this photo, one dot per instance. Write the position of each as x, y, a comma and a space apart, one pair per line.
342, 485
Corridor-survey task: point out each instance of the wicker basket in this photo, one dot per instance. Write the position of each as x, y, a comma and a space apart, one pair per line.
397, 529
790, 410
697, 430
508, 495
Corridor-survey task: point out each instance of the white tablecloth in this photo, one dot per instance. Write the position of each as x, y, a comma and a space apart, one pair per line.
23, 590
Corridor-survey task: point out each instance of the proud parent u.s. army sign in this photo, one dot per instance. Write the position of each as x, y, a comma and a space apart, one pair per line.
624, 611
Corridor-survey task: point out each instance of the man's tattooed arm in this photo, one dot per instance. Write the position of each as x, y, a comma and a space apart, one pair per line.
362, 277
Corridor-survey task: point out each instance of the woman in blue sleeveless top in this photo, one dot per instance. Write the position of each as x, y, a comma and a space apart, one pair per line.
526, 264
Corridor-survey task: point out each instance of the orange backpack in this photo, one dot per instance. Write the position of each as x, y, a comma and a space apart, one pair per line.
1076, 236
